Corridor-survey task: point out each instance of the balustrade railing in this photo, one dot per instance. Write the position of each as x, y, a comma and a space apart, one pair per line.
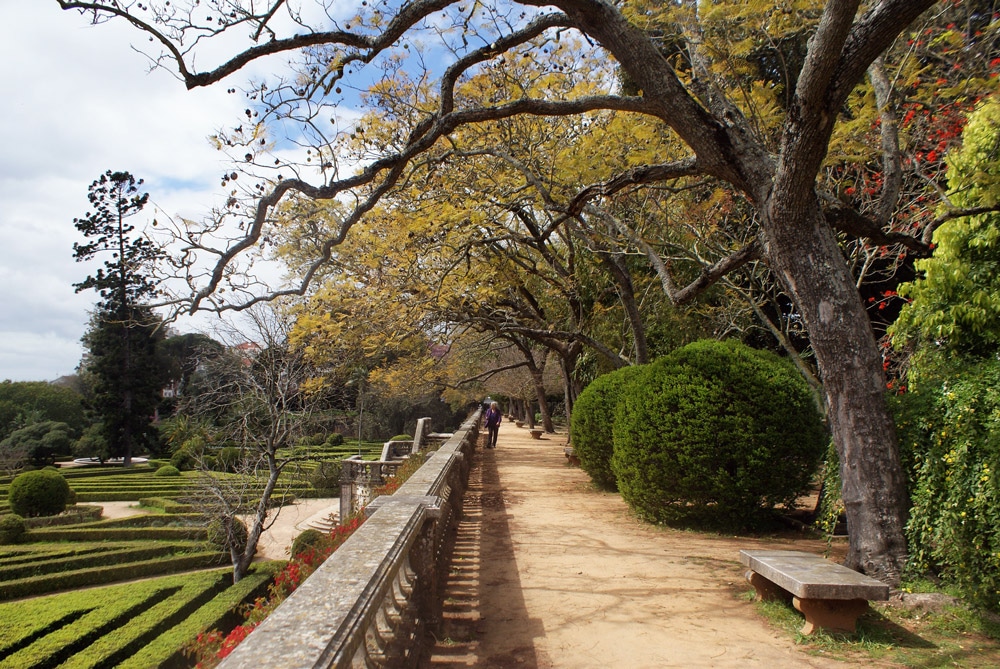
372, 602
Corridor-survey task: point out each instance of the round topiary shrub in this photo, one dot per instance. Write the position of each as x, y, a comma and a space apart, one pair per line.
309, 540
592, 420
716, 434
402, 437
334, 439
167, 470
38, 493
12, 529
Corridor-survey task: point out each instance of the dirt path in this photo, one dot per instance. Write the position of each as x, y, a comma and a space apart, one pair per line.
549, 573
276, 540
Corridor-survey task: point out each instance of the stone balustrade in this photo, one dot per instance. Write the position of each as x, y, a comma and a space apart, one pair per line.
373, 601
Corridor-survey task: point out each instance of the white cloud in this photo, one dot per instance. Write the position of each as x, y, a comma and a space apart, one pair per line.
79, 102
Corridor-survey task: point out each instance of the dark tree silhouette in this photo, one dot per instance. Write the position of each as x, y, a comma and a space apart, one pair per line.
124, 367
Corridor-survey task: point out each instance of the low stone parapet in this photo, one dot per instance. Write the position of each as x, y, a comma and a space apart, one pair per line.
372, 602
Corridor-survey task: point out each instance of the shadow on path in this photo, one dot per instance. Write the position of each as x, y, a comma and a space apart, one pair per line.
549, 572
471, 609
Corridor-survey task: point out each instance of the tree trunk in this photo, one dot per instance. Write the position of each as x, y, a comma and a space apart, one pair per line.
803, 251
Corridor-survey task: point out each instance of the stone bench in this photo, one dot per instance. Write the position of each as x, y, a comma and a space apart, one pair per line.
536, 434
829, 595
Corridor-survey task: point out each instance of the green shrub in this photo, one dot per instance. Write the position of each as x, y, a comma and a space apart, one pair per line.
954, 526
167, 470
228, 459
12, 529
42, 442
228, 533
92, 444
38, 493
187, 455
716, 434
593, 418
327, 474
402, 437
334, 439
73, 515
184, 460
309, 539
80, 578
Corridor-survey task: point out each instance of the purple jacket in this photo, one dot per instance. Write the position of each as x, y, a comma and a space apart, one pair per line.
493, 417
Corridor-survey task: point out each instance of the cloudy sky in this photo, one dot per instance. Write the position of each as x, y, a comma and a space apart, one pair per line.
78, 101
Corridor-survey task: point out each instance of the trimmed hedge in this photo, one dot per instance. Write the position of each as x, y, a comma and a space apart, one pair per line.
102, 626
592, 422
36, 585
716, 434
151, 520
12, 529
167, 505
222, 612
71, 516
61, 563
120, 534
118, 644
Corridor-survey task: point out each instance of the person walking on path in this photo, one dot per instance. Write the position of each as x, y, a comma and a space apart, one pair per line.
492, 418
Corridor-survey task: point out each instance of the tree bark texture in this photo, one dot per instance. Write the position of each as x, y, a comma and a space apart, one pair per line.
803, 251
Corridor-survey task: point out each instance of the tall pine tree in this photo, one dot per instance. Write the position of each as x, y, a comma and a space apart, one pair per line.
124, 365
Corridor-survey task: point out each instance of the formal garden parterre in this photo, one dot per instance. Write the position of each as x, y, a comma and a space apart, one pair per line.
78, 590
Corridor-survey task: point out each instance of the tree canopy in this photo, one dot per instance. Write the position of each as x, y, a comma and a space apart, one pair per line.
768, 104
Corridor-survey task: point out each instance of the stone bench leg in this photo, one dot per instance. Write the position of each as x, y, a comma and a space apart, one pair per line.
834, 615
768, 591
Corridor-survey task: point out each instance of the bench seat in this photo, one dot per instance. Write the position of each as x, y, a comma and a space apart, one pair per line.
829, 595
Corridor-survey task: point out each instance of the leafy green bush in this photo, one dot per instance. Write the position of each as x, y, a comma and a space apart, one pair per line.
186, 457
12, 529
38, 493
402, 437
593, 418
167, 470
716, 434
228, 459
92, 444
327, 474
954, 526
228, 533
955, 301
309, 539
183, 460
42, 442
334, 439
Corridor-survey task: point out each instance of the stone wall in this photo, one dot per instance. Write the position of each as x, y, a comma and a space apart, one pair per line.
374, 600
